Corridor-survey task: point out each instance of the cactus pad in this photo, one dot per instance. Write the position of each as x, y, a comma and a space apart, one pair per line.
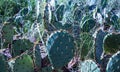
114, 63
60, 12
8, 32
3, 67
99, 45
37, 56
112, 43
23, 63
89, 66
60, 48
88, 25
20, 46
87, 44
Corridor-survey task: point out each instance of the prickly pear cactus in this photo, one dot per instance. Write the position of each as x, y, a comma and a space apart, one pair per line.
20, 46
112, 43
87, 45
3, 65
37, 56
89, 66
99, 45
114, 63
23, 63
8, 32
60, 46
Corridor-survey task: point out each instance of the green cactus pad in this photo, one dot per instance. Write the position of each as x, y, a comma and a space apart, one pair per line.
87, 25
3, 65
61, 47
20, 46
112, 43
8, 32
89, 66
23, 63
87, 45
37, 56
114, 63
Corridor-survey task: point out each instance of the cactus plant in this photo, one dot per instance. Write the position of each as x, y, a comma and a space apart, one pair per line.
8, 32
60, 46
99, 45
23, 63
114, 63
112, 43
20, 46
89, 66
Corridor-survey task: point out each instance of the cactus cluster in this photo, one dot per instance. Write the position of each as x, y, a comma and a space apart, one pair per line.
59, 35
